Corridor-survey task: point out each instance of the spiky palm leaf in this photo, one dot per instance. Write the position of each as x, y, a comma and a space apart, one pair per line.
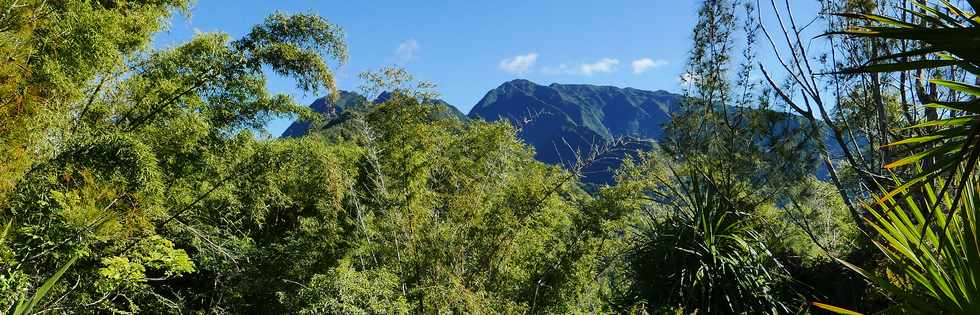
929, 232
940, 272
704, 254
949, 38
24, 305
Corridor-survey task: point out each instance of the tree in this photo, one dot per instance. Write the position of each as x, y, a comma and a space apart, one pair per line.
925, 224
697, 247
459, 231
146, 137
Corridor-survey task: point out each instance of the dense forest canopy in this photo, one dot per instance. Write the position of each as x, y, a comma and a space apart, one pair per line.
842, 179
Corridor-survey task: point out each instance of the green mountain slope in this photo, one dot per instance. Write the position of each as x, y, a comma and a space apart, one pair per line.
565, 121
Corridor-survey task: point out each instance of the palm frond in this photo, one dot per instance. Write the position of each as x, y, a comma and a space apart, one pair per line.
948, 37
939, 267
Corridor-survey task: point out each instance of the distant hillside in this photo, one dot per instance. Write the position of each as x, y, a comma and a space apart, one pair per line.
328, 108
606, 111
349, 100
559, 120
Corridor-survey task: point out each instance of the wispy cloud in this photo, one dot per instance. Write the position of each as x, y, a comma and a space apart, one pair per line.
560, 69
519, 64
604, 65
644, 64
407, 50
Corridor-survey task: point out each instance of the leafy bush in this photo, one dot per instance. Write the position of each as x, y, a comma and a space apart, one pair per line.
344, 290
698, 248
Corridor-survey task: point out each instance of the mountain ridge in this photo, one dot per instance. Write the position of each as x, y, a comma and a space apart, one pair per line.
563, 121
609, 111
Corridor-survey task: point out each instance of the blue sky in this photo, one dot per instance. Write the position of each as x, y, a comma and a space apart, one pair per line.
469, 47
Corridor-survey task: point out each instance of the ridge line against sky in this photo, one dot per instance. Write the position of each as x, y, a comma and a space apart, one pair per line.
468, 48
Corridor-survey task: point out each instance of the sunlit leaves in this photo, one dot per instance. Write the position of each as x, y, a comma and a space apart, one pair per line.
939, 259
142, 137
948, 143
295, 46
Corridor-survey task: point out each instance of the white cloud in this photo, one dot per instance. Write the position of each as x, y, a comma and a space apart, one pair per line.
642, 65
407, 50
519, 64
604, 65
560, 69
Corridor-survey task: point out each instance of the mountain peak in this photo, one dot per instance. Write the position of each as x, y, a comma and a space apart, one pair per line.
562, 119
349, 100
519, 82
558, 119
328, 108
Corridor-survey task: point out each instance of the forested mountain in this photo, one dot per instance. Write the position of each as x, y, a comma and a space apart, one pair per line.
564, 123
328, 108
600, 112
559, 121
332, 109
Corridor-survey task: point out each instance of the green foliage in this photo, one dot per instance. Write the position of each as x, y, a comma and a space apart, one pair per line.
151, 173
294, 45
465, 231
697, 246
344, 290
118, 180
223, 80
717, 222
951, 36
723, 125
51, 52
812, 228
926, 225
26, 306
154, 253
932, 271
